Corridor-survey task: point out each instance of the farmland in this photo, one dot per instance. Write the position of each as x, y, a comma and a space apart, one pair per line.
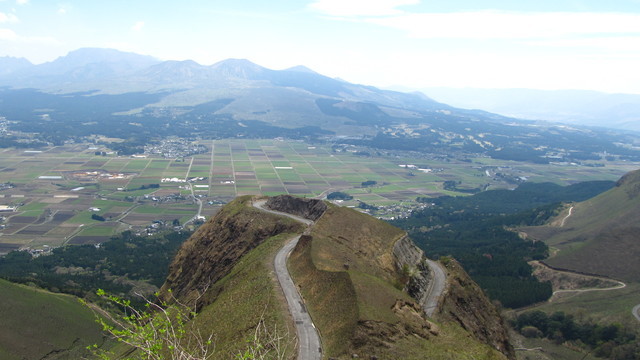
56, 191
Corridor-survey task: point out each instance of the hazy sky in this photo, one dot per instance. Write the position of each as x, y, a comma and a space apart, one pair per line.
544, 44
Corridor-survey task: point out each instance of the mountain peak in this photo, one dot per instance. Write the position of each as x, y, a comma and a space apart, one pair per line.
301, 68
9, 64
238, 68
84, 56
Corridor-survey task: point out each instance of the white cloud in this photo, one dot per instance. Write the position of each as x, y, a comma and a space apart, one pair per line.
138, 26
10, 35
7, 34
510, 25
8, 18
618, 44
22, 2
64, 8
350, 8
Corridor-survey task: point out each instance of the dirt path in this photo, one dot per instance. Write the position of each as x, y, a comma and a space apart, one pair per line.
566, 217
620, 285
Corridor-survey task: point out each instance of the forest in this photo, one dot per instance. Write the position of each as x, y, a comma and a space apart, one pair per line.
112, 266
611, 341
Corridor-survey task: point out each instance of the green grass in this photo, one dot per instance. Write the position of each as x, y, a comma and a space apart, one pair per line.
98, 231
83, 217
601, 306
35, 323
37, 206
232, 320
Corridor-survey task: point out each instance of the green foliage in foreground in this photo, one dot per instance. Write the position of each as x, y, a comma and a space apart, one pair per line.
159, 332
475, 231
81, 270
609, 341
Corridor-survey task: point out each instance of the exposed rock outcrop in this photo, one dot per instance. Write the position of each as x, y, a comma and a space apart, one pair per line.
410, 262
465, 303
310, 209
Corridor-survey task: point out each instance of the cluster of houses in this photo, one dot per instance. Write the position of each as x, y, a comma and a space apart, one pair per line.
174, 148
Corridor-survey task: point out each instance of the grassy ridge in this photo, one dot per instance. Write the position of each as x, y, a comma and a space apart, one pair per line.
245, 297
36, 323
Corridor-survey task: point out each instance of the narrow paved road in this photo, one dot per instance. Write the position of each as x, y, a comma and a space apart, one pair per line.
636, 311
309, 346
436, 287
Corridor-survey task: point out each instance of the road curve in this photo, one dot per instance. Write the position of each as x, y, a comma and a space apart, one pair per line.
309, 346
260, 205
436, 287
636, 312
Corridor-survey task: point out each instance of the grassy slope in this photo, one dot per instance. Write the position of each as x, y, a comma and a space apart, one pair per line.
604, 307
353, 309
248, 295
600, 237
36, 322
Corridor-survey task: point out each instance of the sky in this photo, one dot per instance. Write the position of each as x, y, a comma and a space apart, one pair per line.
412, 44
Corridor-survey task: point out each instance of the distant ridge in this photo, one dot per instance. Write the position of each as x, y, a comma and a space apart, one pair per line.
10, 64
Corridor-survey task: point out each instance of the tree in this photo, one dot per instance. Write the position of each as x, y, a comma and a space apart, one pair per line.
97, 217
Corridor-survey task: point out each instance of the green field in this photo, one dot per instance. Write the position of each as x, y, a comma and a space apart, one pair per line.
55, 210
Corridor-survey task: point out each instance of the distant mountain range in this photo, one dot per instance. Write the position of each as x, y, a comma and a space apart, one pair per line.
575, 107
78, 94
115, 72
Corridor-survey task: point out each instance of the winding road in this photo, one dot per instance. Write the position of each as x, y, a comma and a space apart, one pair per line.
309, 345
436, 287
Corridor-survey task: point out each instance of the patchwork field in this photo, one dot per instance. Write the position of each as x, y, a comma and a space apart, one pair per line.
58, 192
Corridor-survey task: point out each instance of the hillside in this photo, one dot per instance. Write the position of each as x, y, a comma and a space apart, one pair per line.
349, 273
599, 235
37, 324
349, 269
226, 270
352, 270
